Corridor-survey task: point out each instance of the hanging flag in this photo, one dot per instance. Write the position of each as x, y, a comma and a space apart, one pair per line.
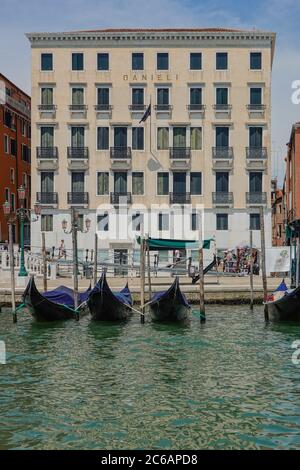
147, 114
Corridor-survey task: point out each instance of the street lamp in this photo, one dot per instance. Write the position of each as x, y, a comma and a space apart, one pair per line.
73, 230
23, 215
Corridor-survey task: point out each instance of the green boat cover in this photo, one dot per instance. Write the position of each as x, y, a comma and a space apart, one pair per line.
156, 244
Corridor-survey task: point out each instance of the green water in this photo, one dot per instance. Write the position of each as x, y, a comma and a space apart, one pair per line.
227, 384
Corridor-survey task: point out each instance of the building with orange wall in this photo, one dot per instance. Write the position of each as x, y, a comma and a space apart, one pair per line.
292, 183
278, 225
15, 151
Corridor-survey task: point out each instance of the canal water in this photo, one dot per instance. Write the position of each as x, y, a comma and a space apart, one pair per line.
228, 384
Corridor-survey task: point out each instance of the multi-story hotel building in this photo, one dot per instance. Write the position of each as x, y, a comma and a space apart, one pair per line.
15, 151
207, 141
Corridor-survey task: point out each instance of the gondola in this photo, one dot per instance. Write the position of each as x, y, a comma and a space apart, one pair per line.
170, 305
106, 305
285, 308
54, 305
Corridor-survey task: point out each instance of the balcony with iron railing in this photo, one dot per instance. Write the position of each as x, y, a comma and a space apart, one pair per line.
256, 198
103, 107
222, 108
78, 108
50, 153
47, 198
78, 197
256, 153
51, 108
180, 153
180, 198
78, 152
120, 153
256, 107
222, 197
222, 153
120, 198
200, 108
137, 107
164, 108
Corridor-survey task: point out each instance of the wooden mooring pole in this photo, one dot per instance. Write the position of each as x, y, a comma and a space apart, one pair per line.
251, 271
263, 261
12, 272
201, 283
142, 275
96, 260
44, 254
75, 260
148, 269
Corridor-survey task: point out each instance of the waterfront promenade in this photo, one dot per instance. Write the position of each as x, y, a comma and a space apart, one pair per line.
225, 289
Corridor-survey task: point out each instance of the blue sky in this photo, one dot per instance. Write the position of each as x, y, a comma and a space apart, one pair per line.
280, 16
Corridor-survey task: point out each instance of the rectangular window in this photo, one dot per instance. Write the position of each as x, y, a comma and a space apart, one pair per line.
255, 137
103, 61
47, 182
196, 183
222, 181
6, 144
47, 136
255, 181
80, 221
196, 138
13, 202
8, 119
195, 61
47, 96
137, 96
102, 138
137, 61
195, 96
12, 175
163, 222
23, 127
222, 221
254, 221
162, 61
77, 136
137, 138
77, 61
103, 96
162, 96
255, 96
47, 223
137, 221
222, 136
194, 221
46, 62
221, 61
179, 137
7, 195
221, 96
162, 138
77, 96
255, 61
162, 184
120, 137
103, 222
13, 147
138, 183
102, 183
25, 154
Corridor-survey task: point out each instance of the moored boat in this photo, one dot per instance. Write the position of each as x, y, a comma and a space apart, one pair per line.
285, 305
106, 305
54, 305
170, 305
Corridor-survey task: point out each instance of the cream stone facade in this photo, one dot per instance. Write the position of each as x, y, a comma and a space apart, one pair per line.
224, 166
